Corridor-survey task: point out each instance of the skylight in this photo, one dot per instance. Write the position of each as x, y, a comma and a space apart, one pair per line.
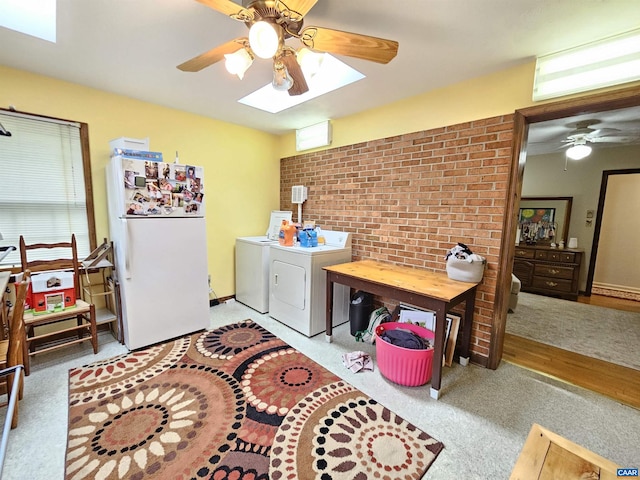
333, 74
32, 17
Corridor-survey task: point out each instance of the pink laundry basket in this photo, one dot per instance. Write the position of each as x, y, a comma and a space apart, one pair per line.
404, 366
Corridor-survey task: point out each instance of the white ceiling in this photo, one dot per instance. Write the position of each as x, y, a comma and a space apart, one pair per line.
132, 47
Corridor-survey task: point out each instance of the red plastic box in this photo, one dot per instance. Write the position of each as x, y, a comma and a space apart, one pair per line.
404, 366
52, 291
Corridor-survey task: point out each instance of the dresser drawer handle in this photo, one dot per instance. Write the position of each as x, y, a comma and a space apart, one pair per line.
553, 271
551, 284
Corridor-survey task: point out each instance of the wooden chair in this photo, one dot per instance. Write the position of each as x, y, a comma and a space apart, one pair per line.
84, 313
11, 349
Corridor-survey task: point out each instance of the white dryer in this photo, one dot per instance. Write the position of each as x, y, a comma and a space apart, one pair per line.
297, 283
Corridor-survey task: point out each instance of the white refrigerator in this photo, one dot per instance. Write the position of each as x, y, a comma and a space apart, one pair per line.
157, 224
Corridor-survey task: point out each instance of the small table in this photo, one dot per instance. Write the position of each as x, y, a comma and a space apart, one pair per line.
429, 290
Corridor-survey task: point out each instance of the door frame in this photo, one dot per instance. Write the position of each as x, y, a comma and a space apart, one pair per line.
612, 100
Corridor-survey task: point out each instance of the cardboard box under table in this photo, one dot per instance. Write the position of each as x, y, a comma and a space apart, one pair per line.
52, 291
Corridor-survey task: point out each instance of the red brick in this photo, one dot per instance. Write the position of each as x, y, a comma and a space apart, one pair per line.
409, 198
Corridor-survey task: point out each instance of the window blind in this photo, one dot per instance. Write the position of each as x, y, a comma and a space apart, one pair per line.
42, 191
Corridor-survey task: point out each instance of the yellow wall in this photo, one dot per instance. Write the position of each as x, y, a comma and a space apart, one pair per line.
228, 152
492, 95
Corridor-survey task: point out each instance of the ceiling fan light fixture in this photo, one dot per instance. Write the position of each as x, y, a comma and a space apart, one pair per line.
578, 151
282, 81
309, 61
264, 39
238, 62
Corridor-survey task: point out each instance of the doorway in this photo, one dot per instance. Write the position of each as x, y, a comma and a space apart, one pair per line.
523, 118
581, 325
612, 214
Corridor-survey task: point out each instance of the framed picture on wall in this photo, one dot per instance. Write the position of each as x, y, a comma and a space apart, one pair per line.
537, 224
561, 215
538, 214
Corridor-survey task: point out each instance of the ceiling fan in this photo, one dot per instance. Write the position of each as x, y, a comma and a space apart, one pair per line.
578, 139
271, 23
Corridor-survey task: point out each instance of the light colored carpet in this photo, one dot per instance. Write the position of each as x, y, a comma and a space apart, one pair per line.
598, 332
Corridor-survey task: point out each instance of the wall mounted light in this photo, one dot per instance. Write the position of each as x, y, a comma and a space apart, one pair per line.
598, 64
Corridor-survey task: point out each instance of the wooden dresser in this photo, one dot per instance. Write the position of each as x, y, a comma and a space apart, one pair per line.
548, 271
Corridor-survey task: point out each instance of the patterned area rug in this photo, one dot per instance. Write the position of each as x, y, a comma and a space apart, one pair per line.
232, 403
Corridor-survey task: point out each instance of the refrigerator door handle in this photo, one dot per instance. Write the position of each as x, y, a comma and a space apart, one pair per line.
127, 251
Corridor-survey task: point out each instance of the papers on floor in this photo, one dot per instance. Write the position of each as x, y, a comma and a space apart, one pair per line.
357, 361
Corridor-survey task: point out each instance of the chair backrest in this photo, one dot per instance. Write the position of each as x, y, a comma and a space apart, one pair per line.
68, 262
17, 334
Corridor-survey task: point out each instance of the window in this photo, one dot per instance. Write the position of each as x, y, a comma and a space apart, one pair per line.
45, 183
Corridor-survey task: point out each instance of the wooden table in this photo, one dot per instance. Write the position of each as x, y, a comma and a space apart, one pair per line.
429, 290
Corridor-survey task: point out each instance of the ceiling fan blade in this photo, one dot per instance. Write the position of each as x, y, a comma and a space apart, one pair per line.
627, 138
355, 45
602, 132
299, 82
301, 7
228, 8
212, 56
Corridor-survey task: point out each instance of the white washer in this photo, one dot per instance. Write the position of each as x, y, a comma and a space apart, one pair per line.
252, 272
297, 284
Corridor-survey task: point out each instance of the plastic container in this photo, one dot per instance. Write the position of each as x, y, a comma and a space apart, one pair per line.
404, 366
287, 234
465, 271
308, 238
360, 310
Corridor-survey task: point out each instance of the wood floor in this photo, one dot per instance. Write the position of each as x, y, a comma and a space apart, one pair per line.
611, 302
614, 381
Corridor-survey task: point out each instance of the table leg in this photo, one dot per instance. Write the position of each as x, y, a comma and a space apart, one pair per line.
435, 394
469, 307
436, 373
329, 309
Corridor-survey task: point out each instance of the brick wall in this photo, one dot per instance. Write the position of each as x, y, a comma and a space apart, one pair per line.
408, 199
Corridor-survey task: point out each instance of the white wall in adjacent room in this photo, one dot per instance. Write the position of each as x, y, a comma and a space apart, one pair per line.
544, 176
618, 252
